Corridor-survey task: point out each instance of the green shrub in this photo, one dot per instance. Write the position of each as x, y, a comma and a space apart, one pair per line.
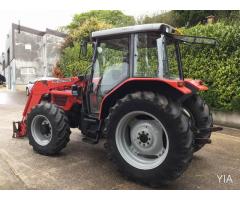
236, 103
218, 66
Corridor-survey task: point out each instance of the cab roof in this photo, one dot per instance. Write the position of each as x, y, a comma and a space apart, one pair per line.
134, 29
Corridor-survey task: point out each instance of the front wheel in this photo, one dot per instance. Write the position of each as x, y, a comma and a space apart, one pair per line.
149, 138
47, 129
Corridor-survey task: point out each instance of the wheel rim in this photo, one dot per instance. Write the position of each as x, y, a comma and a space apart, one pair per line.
41, 130
142, 140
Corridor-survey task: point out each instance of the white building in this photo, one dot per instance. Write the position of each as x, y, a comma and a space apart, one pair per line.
30, 54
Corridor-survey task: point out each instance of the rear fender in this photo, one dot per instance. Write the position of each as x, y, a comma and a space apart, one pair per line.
172, 88
195, 85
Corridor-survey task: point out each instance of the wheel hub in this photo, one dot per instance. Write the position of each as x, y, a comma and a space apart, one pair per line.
145, 134
144, 137
41, 130
45, 128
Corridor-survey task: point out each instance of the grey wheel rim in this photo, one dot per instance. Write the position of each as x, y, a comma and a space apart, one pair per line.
41, 130
142, 140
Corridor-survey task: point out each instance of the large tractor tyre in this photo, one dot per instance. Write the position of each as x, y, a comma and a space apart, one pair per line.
201, 118
47, 129
149, 138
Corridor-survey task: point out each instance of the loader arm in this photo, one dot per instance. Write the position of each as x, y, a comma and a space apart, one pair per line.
61, 87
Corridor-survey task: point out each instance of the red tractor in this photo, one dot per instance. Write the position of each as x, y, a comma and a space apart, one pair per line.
136, 96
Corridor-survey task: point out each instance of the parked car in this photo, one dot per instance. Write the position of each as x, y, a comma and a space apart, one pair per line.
31, 83
2, 80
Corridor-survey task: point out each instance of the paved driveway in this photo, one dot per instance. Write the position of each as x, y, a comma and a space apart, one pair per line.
84, 166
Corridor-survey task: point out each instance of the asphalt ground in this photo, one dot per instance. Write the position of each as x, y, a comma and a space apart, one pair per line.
85, 166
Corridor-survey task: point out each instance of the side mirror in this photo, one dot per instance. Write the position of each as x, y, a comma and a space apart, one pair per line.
83, 48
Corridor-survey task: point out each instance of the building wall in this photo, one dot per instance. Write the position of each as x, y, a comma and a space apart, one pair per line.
53, 48
30, 54
1, 65
1, 68
8, 60
28, 49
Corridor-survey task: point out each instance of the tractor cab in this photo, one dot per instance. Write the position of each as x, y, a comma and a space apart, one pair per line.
141, 53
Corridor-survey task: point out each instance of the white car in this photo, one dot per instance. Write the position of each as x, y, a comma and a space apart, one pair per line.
31, 83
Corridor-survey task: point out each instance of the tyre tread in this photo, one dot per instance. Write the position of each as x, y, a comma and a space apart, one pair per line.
173, 111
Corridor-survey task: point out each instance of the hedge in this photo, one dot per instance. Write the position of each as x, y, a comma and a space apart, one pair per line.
218, 66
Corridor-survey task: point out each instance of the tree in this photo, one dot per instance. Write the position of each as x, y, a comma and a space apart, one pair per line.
71, 63
114, 17
180, 18
172, 18
84, 31
81, 27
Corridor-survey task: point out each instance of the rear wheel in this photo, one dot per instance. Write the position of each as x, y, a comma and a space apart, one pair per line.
47, 129
149, 138
201, 118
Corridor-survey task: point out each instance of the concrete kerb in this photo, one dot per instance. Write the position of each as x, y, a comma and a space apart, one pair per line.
229, 119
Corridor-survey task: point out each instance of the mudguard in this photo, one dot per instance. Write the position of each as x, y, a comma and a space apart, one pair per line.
177, 85
195, 85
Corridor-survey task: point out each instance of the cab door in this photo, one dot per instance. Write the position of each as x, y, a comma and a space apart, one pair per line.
111, 67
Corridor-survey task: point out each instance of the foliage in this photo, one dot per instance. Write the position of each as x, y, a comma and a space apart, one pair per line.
218, 66
171, 17
236, 103
189, 18
71, 63
84, 31
114, 17
81, 27
57, 72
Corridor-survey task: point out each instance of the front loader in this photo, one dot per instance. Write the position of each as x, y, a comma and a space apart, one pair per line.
136, 97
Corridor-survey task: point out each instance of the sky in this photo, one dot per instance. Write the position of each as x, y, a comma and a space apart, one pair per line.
51, 14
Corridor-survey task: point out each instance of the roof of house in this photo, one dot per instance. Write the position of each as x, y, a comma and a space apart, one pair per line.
37, 32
